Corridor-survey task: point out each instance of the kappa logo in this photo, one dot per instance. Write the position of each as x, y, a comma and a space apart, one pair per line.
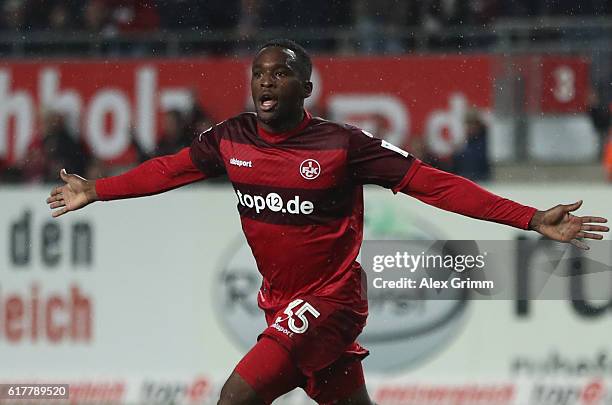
310, 169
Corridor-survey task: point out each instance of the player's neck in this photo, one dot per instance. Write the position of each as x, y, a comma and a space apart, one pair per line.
275, 134
287, 125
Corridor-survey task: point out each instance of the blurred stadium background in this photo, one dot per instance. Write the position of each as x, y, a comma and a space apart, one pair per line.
152, 301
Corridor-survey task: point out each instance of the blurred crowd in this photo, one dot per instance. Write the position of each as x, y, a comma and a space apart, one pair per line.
56, 145
246, 17
471, 158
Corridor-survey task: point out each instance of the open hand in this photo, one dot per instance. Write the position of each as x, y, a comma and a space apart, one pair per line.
75, 194
559, 224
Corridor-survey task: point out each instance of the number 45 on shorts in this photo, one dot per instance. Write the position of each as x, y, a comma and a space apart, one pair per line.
300, 313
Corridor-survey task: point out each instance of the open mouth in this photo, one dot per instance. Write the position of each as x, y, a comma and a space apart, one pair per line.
267, 102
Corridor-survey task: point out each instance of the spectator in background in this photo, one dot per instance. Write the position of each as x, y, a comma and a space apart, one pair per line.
60, 18
377, 22
178, 128
54, 149
248, 21
51, 15
418, 147
210, 16
607, 160
97, 18
256, 15
196, 119
14, 16
446, 163
600, 118
134, 15
482, 12
10, 173
97, 169
174, 135
37, 14
441, 14
473, 161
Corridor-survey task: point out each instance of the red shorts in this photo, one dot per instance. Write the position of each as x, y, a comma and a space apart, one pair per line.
309, 344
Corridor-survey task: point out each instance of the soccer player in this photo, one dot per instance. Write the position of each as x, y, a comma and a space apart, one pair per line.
298, 180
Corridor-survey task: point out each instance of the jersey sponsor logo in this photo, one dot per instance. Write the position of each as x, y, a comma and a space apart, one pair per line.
310, 169
275, 203
241, 163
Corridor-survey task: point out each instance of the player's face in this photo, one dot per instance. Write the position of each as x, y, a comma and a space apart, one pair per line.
277, 88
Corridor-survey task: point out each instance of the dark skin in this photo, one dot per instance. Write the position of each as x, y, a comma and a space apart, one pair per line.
277, 79
279, 89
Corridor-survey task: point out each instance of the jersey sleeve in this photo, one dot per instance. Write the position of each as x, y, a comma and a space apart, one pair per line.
375, 161
205, 152
462, 196
151, 177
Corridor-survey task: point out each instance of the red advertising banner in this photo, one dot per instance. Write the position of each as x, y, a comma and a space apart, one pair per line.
111, 102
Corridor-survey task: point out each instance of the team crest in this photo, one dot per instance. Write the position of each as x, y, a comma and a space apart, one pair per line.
310, 169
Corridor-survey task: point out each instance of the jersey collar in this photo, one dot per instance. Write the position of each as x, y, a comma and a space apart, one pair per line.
272, 137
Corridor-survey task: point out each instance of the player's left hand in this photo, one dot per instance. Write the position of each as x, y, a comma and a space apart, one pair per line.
559, 224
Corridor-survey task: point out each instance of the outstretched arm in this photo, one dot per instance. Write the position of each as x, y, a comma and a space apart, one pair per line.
151, 177
457, 194
375, 161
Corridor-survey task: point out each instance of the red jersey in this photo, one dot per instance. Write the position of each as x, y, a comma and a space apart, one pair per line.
300, 200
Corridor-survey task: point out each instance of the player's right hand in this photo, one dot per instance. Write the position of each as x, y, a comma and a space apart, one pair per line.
75, 194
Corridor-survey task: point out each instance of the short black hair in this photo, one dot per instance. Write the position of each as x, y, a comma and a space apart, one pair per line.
304, 63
